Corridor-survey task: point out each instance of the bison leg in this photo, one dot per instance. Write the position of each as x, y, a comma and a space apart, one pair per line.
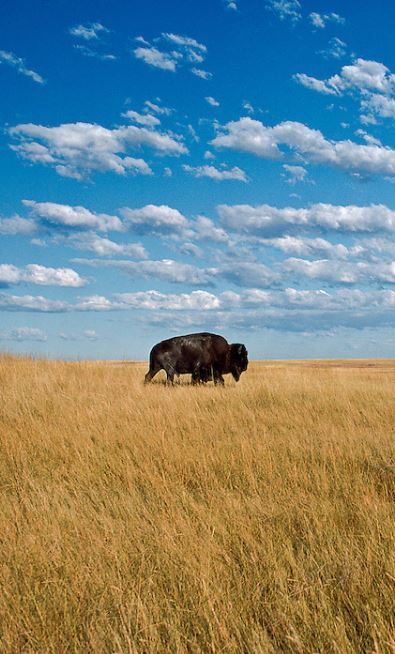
218, 379
170, 376
151, 373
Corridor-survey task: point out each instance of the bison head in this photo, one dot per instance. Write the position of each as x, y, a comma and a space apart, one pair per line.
238, 360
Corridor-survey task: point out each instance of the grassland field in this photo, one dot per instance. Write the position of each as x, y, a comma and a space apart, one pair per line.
257, 518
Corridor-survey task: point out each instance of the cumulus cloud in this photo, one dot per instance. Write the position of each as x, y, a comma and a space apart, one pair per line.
265, 219
362, 75
24, 334
77, 149
185, 41
166, 269
195, 301
171, 51
95, 54
210, 100
154, 219
142, 119
345, 272
320, 21
41, 304
203, 74
249, 135
154, 57
372, 81
304, 246
315, 84
16, 226
12, 60
36, 274
103, 247
157, 108
295, 174
285, 9
336, 49
78, 217
88, 32
217, 174
204, 228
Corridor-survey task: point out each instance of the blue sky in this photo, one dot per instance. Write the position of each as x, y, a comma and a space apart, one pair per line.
184, 166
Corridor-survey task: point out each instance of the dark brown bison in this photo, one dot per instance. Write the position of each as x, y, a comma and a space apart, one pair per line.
205, 356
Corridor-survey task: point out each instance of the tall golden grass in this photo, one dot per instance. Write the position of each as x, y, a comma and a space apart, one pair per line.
256, 518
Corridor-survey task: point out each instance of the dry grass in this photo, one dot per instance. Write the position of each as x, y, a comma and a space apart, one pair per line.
257, 518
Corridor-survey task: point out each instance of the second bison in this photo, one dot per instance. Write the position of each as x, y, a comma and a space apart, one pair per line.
203, 355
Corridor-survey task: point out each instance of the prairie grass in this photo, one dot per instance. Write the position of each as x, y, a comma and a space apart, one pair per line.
257, 518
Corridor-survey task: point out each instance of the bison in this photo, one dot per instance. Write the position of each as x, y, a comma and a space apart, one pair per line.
205, 356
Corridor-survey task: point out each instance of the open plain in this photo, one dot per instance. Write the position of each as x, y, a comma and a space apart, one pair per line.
254, 518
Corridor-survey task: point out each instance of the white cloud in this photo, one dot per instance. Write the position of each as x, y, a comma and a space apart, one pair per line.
77, 149
158, 109
19, 64
154, 57
41, 275
184, 41
336, 49
231, 4
321, 20
378, 105
89, 31
285, 9
154, 219
16, 226
343, 272
103, 246
249, 135
212, 101
361, 75
172, 51
90, 334
204, 228
315, 84
195, 301
67, 216
88, 52
249, 274
372, 80
203, 74
295, 174
304, 246
141, 119
265, 219
166, 269
24, 334
217, 174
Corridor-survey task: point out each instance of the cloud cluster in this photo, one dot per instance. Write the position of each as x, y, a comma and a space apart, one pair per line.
77, 149
88, 32
12, 60
249, 135
166, 270
285, 9
290, 309
266, 220
321, 20
20, 334
371, 80
66, 216
41, 275
218, 174
171, 51
16, 226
